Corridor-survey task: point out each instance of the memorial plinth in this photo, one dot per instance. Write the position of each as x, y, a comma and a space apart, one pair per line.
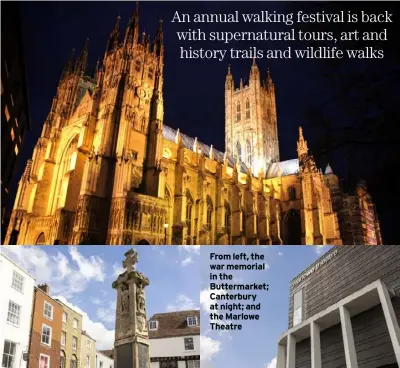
131, 334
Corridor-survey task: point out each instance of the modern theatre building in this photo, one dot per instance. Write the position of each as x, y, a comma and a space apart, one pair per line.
344, 311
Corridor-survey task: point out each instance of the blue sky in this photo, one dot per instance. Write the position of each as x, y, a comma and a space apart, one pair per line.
179, 279
255, 345
82, 276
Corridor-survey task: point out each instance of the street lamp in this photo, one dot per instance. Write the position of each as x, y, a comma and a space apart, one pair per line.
165, 233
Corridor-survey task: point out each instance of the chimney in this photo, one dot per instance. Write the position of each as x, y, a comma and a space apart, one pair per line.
45, 288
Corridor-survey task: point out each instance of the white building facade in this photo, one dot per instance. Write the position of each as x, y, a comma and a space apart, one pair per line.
175, 340
103, 361
16, 305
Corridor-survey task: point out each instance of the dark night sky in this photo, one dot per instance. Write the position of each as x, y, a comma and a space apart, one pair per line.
193, 89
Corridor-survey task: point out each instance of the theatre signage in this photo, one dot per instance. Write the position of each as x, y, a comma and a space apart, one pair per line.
314, 268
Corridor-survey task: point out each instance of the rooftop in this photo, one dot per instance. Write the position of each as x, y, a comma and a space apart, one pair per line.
284, 168
174, 324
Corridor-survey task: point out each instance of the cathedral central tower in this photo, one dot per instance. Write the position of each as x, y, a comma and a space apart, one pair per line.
251, 132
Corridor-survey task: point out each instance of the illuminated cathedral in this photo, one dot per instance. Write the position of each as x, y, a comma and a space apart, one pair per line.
106, 170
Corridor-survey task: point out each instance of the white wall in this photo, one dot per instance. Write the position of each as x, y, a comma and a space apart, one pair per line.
181, 364
107, 362
173, 347
17, 334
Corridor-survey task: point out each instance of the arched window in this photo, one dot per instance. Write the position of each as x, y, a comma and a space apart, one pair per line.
74, 362
41, 240
189, 211
67, 164
249, 153
292, 193
238, 111
69, 159
247, 108
243, 224
227, 219
239, 151
209, 212
62, 359
138, 65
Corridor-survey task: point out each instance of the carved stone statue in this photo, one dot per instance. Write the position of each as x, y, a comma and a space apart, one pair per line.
131, 258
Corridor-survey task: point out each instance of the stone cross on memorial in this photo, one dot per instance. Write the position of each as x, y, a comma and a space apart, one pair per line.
131, 334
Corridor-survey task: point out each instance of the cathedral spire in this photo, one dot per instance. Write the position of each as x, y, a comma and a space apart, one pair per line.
269, 83
132, 29
229, 84
159, 40
69, 66
113, 39
254, 72
81, 62
302, 148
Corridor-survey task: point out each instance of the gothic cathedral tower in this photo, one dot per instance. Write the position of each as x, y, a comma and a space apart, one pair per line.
99, 155
251, 132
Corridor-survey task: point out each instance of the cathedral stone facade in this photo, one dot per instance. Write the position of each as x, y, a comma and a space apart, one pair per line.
106, 170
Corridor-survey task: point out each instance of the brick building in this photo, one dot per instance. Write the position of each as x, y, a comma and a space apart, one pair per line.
345, 311
71, 337
45, 339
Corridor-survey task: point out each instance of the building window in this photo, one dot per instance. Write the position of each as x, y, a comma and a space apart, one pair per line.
65, 317
48, 310
249, 153
74, 342
193, 364
189, 345
153, 325
239, 151
238, 113
101, 364
169, 364
63, 338
44, 361
8, 354
227, 220
209, 212
87, 361
189, 212
292, 193
151, 73
7, 113
73, 363
14, 311
62, 360
16, 150
192, 321
46, 335
12, 99
75, 323
88, 344
12, 134
17, 281
138, 65
298, 307
16, 122
247, 108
